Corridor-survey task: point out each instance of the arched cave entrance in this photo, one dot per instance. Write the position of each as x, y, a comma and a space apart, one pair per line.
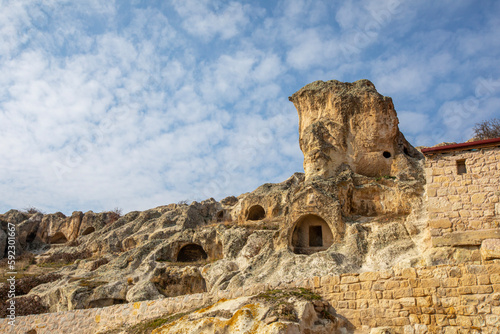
310, 235
256, 212
191, 253
58, 238
88, 230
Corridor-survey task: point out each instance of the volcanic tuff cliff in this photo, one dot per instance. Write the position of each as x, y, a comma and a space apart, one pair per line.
359, 207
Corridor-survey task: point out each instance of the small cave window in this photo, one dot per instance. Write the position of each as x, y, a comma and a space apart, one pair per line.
405, 151
31, 237
256, 212
191, 253
387, 154
461, 168
220, 216
58, 238
88, 230
315, 236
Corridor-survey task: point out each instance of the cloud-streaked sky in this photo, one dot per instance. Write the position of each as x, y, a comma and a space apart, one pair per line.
135, 104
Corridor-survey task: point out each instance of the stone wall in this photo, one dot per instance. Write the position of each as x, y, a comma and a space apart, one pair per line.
439, 299
467, 201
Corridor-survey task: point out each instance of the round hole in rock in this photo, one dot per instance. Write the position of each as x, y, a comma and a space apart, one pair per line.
405, 151
310, 235
386, 154
88, 230
191, 253
58, 238
256, 212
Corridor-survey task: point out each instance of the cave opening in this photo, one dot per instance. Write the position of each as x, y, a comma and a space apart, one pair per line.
256, 212
310, 235
191, 253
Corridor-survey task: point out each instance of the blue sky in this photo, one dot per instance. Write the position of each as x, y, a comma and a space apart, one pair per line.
135, 104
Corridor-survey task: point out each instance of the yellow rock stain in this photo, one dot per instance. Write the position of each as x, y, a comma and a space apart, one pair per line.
245, 315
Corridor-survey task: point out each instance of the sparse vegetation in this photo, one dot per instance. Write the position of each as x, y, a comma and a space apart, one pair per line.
114, 215
25, 305
300, 293
487, 129
91, 284
146, 327
31, 210
385, 177
22, 261
23, 287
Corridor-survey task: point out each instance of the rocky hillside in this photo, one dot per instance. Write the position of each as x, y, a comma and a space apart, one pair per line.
358, 207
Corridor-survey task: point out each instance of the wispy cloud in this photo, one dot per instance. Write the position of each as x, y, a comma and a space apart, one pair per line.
108, 104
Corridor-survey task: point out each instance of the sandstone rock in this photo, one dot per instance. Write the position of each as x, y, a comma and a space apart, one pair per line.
59, 229
144, 290
350, 124
26, 231
171, 281
359, 212
245, 315
490, 249
465, 238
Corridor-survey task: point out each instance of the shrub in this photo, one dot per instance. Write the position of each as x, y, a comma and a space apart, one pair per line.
31, 210
114, 215
28, 258
25, 284
487, 129
25, 305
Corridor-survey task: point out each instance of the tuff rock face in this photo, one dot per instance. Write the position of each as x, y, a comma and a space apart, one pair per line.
354, 210
351, 124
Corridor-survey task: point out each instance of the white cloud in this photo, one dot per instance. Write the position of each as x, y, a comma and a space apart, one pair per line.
102, 106
205, 19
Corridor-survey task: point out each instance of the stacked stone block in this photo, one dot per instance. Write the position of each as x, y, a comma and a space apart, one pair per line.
468, 201
441, 299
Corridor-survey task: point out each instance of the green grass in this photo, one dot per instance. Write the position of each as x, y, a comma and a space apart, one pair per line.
387, 177
91, 284
147, 327
277, 295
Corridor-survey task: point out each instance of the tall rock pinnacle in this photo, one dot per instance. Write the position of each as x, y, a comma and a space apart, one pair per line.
343, 123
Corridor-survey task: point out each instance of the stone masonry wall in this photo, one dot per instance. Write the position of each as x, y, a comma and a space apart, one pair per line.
468, 201
440, 299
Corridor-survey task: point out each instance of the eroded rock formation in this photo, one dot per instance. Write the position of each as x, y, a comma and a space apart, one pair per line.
354, 210
342, 123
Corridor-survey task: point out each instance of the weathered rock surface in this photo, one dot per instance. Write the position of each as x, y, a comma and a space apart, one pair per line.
490, 249
343, 123
253, 315
353, 211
